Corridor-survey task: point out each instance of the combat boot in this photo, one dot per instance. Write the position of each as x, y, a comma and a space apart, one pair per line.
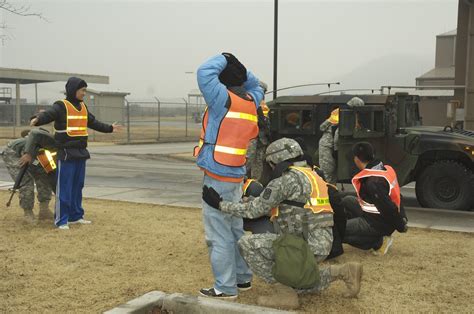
282, 297
351, 274
29, 216
44, 212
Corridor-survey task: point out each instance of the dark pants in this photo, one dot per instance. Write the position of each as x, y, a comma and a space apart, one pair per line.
258, 225
70, 181
359, 233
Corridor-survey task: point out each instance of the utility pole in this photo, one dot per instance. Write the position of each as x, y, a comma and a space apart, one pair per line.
275, 49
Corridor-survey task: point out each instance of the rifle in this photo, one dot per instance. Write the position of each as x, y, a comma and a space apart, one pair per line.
17, 184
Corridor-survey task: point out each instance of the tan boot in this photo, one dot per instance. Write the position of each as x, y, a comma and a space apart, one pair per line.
351, 273
282, 297
44, 212
29, 216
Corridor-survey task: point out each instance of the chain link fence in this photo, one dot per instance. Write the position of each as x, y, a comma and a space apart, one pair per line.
149, 120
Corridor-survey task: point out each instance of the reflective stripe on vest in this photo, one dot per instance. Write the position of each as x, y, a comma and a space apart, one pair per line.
47, 159
246, 185
389, 175
319, 199
76, 120
236, 129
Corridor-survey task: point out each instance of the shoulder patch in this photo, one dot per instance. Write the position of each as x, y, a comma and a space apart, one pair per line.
267, 193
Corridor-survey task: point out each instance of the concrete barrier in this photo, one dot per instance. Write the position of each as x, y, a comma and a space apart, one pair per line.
157, 301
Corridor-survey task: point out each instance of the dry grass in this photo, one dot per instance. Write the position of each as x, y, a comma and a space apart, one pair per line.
131, 249
137, 133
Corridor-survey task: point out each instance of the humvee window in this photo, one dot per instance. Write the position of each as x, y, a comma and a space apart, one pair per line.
369, 122
297, 120
291, 119
307, 120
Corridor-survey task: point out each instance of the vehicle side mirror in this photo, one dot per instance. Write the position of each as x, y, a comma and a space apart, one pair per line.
346, 122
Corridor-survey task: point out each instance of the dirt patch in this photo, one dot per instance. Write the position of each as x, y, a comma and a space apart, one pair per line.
131, 249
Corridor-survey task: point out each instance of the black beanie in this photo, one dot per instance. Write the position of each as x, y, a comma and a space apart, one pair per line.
234, 74
364, 151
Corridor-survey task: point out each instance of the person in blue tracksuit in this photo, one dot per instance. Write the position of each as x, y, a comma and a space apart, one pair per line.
232, 95
71, 120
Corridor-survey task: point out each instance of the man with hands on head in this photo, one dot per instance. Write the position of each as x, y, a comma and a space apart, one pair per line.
232, 95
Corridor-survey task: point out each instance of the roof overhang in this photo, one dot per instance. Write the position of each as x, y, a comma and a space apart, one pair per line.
22, 76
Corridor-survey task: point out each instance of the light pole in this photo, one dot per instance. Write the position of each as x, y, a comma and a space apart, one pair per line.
275, 49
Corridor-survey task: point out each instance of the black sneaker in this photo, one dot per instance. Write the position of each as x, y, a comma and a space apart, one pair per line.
211, 293
244, 286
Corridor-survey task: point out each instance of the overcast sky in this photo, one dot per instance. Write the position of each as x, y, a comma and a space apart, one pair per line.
147, 46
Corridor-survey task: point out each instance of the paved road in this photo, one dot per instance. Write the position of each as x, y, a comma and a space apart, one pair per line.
146, 174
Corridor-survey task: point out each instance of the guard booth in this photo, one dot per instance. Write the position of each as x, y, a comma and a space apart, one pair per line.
107, 106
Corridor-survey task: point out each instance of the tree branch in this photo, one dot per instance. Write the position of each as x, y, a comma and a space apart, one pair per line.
20, 10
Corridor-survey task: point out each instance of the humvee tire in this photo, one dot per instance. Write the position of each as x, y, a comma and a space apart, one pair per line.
445, 184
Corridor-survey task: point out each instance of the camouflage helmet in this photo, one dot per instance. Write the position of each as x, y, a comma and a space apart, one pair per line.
283, 149
355, 102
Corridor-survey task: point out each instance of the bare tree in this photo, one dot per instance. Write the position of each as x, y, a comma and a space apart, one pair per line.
19, 9
16, 9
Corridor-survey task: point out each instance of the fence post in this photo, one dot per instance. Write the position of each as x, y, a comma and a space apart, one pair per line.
128, 121
159, 118
186, 118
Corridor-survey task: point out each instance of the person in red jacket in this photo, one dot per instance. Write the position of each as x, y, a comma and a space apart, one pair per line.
377, 211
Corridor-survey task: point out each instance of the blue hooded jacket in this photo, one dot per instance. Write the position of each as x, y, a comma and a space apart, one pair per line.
216, 96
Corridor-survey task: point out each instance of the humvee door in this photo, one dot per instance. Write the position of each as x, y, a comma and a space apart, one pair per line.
359, 124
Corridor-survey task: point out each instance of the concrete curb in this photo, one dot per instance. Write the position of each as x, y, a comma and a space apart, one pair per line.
156, 301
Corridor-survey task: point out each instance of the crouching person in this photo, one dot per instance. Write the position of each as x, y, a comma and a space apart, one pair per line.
37, 148
303, 222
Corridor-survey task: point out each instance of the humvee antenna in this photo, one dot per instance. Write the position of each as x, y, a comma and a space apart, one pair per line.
351, 90
304, 85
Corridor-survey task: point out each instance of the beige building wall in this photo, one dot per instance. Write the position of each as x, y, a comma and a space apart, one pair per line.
107, 106
433, 110
445, 51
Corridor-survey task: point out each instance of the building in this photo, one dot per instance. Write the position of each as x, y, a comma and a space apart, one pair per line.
107, 106
433, 103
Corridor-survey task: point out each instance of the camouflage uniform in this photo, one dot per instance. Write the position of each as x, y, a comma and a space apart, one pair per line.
327, 147
287, 191
35, 174
256, 151
257, 249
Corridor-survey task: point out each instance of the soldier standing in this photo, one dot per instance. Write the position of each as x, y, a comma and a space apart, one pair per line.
304, 210
256, 151
329, 140
31, 149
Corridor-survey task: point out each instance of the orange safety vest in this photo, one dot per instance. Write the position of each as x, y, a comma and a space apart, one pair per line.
334, 117
389, 175
236, 129
319, 200
76, 120
47, 159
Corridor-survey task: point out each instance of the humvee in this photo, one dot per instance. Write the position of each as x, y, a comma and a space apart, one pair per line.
440, 160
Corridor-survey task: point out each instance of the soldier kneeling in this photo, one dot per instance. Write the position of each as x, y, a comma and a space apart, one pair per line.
303, 224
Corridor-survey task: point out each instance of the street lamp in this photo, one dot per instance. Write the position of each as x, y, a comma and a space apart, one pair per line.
275, 49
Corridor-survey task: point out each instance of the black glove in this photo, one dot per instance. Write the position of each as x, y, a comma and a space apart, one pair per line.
211, 197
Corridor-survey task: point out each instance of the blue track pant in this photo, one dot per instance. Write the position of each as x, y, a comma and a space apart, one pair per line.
70, 175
